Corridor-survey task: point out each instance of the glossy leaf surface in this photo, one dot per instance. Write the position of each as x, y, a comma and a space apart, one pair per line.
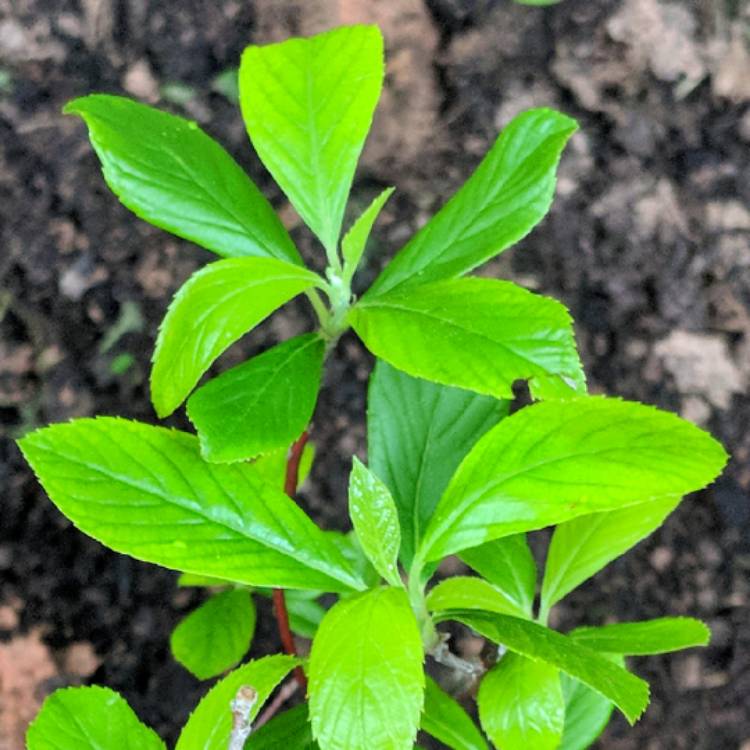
259, 406
213, 309
170, 173
308, 105
508, 194
478, 334
556, 460
146, 492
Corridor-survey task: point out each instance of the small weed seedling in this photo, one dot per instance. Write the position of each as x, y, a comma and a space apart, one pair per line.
450, 472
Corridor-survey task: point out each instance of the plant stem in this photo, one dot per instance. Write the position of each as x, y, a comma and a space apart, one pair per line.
279, 600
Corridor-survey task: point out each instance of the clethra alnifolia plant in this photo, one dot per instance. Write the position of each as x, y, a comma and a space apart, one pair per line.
451, 470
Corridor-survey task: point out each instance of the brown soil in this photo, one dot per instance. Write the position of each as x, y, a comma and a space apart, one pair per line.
648, 243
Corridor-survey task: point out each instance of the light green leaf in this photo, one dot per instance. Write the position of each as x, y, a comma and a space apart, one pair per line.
210, 725
583, 546
468, 592
521, 704
271, 466
308, 104
586, 714
556, 460
647, 638
366, 678
185, 580
628, 692
215, 307
261, 405
418, 433
508, 564
508, 194
215, 637
290, 730
305, 615
353, 244
170, 173
445, 719
146, 492
478, 334
89, 718
375, 521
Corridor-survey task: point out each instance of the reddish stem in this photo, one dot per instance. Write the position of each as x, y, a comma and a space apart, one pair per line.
279, 601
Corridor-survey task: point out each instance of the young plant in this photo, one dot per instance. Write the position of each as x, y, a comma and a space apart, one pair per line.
450, 472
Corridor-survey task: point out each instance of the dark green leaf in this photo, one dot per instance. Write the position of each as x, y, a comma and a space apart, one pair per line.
261, 405
170, 173
418, 432
290, 731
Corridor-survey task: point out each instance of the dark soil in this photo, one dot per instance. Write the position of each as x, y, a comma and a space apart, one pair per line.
650, 235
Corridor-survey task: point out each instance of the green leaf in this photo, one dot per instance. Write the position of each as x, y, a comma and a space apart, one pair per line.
290, 730
583, 546
271, 467
647, 638
185, 580
215, 307
261, 405
353, 244
89, 718
478, 334
521, 704
556, 460
586, 714
170, 173
215, 637
308, 104
210, 725
145, 491
305, 615
366, 678
628, 692
505, 198
375, 521
509, 566
445, 719
418, 433
467, 592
